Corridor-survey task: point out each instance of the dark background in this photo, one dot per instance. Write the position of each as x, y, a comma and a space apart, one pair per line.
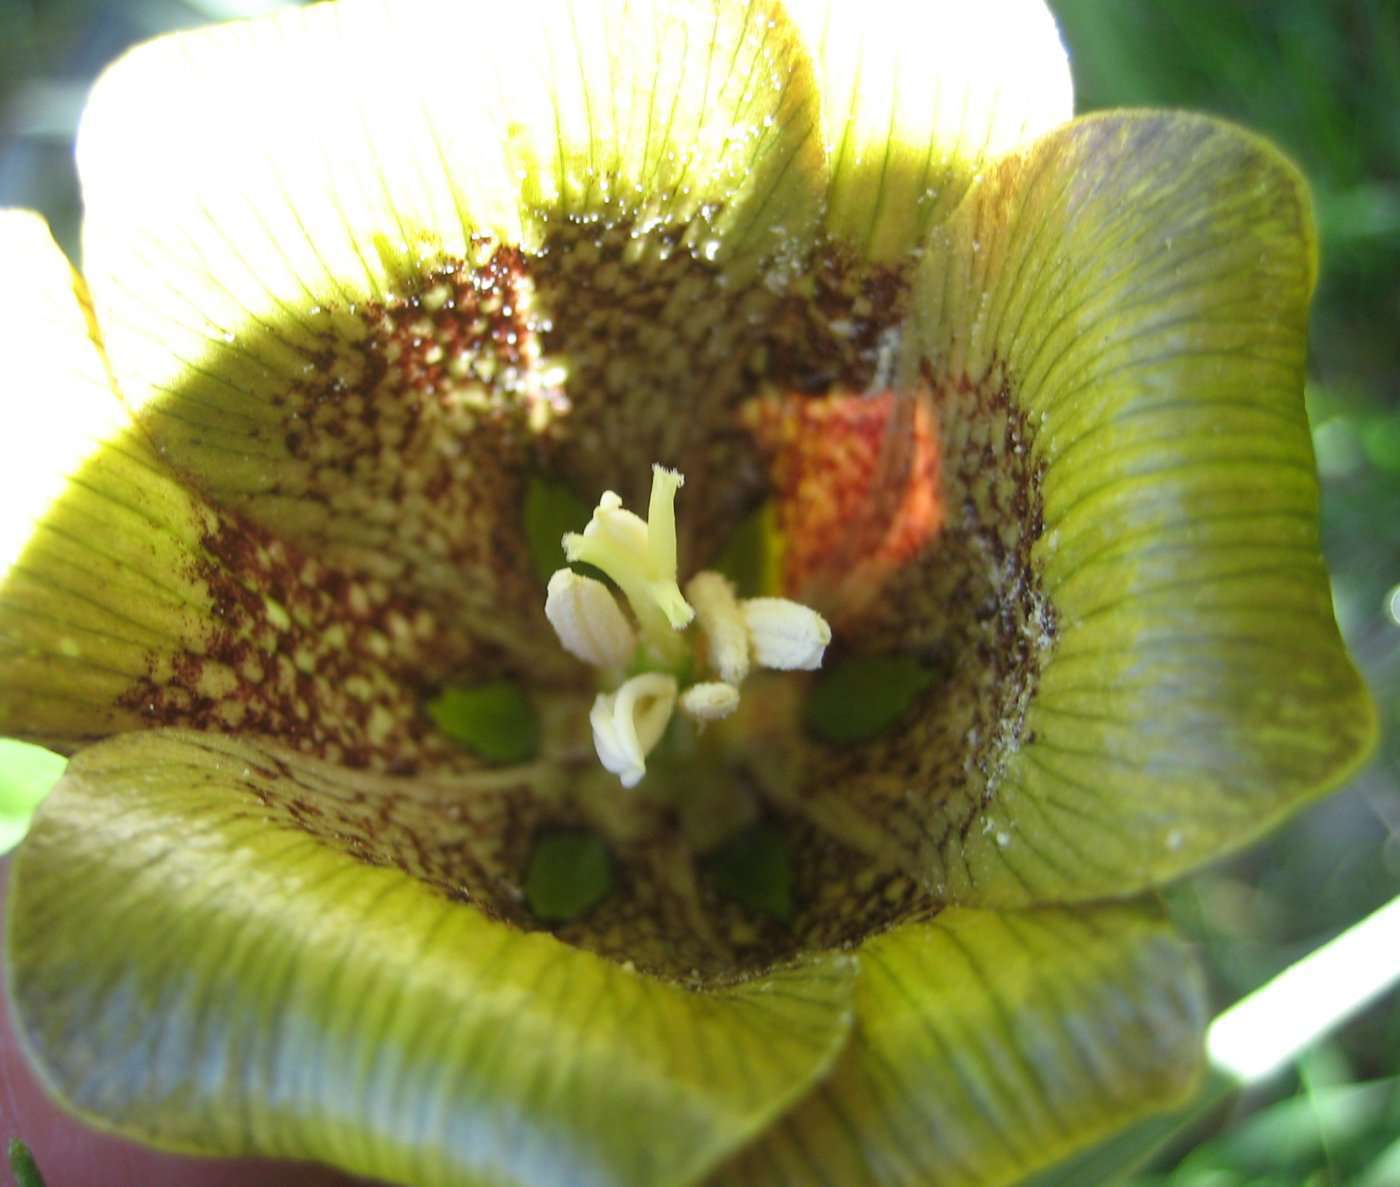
1322, 78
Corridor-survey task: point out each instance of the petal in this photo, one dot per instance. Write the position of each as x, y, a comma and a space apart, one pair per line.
126, 600
325, 293
991, 1044
241, 986
1138, 284
917, 98
93, 553
54, 365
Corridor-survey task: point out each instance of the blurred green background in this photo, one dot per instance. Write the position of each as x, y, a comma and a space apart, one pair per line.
1322, 78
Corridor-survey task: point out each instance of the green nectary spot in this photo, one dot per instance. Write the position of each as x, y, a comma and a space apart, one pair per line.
23, 1166
859, 699
27, 774
752, 556
753, 868
495, 720
570, 873
551, 510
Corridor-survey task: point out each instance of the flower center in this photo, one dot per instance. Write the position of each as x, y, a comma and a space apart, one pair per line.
690, 651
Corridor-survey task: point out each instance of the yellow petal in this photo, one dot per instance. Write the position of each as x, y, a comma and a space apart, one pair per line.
127, 600
917, 98
96, 543
322, 155
60, 404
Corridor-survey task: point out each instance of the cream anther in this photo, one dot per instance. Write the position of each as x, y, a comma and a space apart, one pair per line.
785, 635
628, 723
722, 623
710, 701
588, 620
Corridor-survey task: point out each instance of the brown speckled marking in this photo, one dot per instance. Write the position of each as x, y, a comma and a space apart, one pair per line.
668, 918
834, 325
974, 607
604, 352
414, 432
655, 348
463, 835
329, 663
660, 352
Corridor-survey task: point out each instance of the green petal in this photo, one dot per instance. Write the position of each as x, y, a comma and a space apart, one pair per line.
96, 542
1139, 284
916, 98
240, 987
126, 600
243, 244
991, 1044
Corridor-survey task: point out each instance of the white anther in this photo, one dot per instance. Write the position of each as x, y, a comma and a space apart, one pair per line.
589, 622
710, 701
722, 622
628, 723
785, 635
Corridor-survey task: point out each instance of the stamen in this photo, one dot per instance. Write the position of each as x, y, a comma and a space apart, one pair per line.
640, 557
722, 622
711, 701
627, 724
588, 620
785, 635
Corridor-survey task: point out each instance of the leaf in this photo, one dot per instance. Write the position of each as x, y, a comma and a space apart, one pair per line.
23, 1166
27, 774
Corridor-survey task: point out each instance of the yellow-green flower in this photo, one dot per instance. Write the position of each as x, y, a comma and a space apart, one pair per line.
378, 301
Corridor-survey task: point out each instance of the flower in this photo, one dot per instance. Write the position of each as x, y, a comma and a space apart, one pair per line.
389, 297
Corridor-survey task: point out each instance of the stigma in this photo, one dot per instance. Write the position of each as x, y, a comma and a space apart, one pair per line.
657, 650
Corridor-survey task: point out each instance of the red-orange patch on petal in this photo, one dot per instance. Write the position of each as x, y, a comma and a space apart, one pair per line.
856, 490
